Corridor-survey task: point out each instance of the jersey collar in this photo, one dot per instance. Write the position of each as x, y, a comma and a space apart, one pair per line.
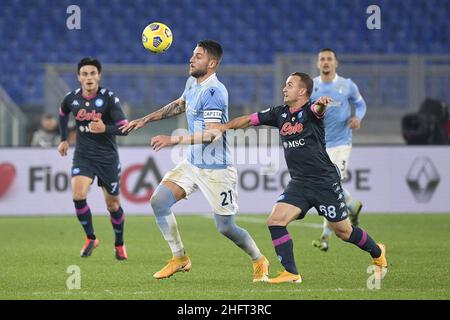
292, 111
336, 76
208, 79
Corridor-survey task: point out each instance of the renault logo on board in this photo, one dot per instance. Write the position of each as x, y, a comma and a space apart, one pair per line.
423, 179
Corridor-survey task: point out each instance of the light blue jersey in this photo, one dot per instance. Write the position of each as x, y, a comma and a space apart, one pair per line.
342, 91
207, 102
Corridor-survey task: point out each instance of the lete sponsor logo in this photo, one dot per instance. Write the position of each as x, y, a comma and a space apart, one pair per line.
7, 175
287, 129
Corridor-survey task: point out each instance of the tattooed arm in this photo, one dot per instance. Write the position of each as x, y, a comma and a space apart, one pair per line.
172, 109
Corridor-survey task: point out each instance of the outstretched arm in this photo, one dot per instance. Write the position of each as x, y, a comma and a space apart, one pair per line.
206, 136
241, 122
172, 109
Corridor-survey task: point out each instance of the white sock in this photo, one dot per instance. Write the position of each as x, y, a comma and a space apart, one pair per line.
169, 228
326, 232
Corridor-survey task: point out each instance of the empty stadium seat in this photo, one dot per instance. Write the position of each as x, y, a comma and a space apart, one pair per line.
250, 31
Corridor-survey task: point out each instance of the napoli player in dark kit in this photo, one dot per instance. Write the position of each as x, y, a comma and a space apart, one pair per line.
98, 116
315, 180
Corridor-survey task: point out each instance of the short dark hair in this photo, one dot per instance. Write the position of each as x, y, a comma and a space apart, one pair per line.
329, 50
47, 116
213, 48
306, 80
89, 61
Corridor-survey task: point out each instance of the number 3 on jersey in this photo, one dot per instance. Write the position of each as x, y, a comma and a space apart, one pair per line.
225, 198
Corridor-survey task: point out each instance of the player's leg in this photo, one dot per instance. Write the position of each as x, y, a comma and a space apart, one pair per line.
118, 221
80, 187
359, 237
282, 214
227, 226
108, 178
324, 240
219, 188
164, 197
176, 185
340, 156
354, 208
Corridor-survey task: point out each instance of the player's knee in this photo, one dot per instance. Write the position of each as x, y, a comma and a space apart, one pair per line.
79, 195
155, 202
342, 234
275, 221
161, 202
224, 229
113, 205
224, 224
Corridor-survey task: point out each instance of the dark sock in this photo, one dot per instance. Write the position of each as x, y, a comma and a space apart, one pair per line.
360, 238
284, 247
118, 220
85, 217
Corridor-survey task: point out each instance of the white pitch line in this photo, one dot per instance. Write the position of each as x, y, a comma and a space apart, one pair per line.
264, 221
258, 290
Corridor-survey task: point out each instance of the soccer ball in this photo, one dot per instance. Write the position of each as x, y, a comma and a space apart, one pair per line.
157, 37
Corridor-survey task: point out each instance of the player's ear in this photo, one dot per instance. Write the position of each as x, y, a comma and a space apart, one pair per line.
212, 63
302, 91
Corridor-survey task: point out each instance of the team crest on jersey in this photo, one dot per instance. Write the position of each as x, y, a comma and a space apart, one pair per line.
99, 103
300, 115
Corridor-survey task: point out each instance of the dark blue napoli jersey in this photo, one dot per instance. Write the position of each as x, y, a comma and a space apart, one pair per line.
303, 137
99, 147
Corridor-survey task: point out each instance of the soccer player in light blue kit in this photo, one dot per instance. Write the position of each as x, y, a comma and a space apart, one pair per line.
339, 124
208, 167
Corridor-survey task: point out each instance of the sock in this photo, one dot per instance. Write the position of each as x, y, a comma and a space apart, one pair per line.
118, 220
360, 238
284, 247
161, 202
227, 227
326, 232
85, 217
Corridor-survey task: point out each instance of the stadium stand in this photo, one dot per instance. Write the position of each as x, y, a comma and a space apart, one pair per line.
252, 32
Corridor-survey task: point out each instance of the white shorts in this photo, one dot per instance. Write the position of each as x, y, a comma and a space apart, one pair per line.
340, 155
219, 186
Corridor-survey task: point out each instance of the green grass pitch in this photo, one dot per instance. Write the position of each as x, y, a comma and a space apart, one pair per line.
36, 252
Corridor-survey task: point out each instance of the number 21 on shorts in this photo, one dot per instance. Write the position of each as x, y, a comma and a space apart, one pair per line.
227, 200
